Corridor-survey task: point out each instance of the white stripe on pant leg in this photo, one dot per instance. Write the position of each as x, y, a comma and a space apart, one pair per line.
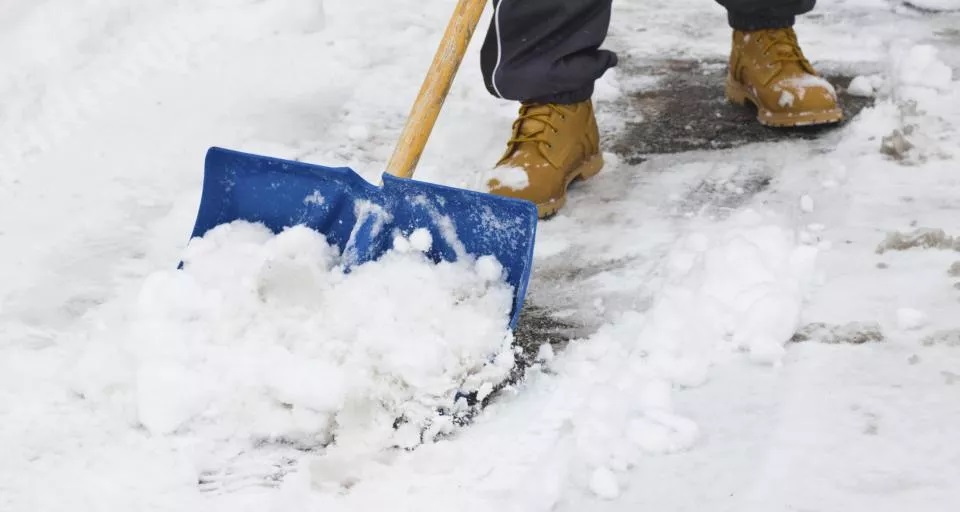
496, 24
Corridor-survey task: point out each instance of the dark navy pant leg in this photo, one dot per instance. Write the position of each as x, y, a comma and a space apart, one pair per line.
762, 14
546, 51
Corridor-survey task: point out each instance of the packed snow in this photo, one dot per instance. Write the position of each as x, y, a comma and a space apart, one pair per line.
786, 347
305, 365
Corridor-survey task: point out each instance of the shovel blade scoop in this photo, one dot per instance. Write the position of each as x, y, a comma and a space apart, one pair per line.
362, 219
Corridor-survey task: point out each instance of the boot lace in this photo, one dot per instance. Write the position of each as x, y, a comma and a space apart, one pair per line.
788, 48
543, 116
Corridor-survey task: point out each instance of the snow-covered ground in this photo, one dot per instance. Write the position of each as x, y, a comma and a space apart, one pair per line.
125, 385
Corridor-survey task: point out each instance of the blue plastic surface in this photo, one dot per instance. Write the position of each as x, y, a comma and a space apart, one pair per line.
361, 218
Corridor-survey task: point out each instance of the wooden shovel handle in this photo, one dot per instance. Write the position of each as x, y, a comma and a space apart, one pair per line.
435, 87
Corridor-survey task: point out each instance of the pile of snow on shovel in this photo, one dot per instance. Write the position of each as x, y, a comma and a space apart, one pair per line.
268, 338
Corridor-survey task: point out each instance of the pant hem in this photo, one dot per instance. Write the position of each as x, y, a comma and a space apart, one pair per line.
751, 21
563, 98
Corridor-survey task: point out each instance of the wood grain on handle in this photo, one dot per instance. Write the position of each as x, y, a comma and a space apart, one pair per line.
435, 87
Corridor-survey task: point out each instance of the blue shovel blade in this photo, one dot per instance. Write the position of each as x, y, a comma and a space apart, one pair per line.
362, 219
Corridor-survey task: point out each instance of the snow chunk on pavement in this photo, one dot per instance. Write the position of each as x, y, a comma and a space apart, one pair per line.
916, 73
909, 319
545, 353
747, 287
919, 65
604, 484
863, 86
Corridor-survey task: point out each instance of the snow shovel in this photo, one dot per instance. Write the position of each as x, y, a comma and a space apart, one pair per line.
361, 218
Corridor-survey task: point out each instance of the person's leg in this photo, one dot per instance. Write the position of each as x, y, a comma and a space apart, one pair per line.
768, 68
764, 14
546, 51
546, 54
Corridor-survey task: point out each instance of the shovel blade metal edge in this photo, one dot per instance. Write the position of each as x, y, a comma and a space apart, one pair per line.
362, 219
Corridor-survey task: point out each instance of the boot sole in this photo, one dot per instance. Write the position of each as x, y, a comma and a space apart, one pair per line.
588, 169
739, 95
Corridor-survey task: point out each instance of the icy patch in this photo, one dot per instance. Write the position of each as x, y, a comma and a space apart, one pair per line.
263, 337
513, 178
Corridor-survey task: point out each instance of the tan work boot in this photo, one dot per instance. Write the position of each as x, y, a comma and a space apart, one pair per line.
768, 69
551, 146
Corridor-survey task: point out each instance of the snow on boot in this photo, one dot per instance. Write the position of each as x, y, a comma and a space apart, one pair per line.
552, 145
768, 69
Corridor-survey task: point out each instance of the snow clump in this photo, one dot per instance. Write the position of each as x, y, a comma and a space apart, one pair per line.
266, 338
